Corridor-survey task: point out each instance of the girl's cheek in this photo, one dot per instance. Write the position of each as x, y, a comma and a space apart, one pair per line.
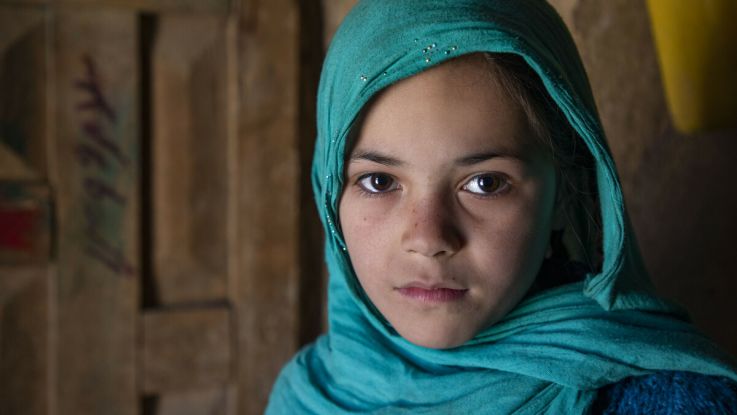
493, 210
364, 209
360, 219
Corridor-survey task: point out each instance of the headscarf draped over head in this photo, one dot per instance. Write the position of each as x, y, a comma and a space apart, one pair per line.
557, 347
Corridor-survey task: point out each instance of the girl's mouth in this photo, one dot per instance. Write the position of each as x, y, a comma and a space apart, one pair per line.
432, 295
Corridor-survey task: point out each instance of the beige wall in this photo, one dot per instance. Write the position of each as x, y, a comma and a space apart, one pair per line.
679, 189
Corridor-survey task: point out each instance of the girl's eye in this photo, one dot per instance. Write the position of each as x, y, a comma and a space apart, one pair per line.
486, 184
377, 183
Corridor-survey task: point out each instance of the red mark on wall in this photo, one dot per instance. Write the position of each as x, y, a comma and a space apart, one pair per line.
18, 228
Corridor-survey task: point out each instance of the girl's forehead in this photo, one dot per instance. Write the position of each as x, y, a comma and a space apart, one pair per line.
471, 71
452, 109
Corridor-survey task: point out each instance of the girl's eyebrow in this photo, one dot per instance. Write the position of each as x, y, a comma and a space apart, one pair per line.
502, 152
376, 157
465, 161
476, 158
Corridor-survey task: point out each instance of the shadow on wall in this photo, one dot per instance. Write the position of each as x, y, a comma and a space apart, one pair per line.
678, 187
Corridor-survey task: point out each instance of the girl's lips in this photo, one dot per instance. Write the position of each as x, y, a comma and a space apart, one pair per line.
432, 295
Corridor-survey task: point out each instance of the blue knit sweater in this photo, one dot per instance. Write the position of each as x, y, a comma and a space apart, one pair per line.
668, 393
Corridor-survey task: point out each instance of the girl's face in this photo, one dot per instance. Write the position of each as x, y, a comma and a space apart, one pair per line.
448, 204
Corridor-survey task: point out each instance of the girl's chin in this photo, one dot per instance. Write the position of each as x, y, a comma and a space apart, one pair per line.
432, 339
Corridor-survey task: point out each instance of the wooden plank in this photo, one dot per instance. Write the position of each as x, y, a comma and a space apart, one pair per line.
312, 270
96, 74
186, 349
24, 354
217, 401
13, 167
24, 199
23, 127
268, 204
25, 213
153, 6
158, 6
24, 3
190, 194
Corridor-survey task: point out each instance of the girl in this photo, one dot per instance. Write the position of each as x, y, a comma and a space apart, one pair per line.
480, 256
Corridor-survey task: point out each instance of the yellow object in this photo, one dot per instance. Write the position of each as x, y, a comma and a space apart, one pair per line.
697, 47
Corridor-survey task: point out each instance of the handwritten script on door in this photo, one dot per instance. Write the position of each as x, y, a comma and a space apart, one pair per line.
103, 160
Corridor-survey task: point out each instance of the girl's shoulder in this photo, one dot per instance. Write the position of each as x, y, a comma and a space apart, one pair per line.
668, 392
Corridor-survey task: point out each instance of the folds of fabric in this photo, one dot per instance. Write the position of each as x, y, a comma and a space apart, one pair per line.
550, 355
556, 348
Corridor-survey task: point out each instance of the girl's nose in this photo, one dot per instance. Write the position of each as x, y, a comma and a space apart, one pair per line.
430, 229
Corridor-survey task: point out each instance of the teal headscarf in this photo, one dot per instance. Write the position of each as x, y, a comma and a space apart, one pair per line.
557, 347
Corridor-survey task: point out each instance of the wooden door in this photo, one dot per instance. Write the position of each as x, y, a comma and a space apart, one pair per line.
154, 240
